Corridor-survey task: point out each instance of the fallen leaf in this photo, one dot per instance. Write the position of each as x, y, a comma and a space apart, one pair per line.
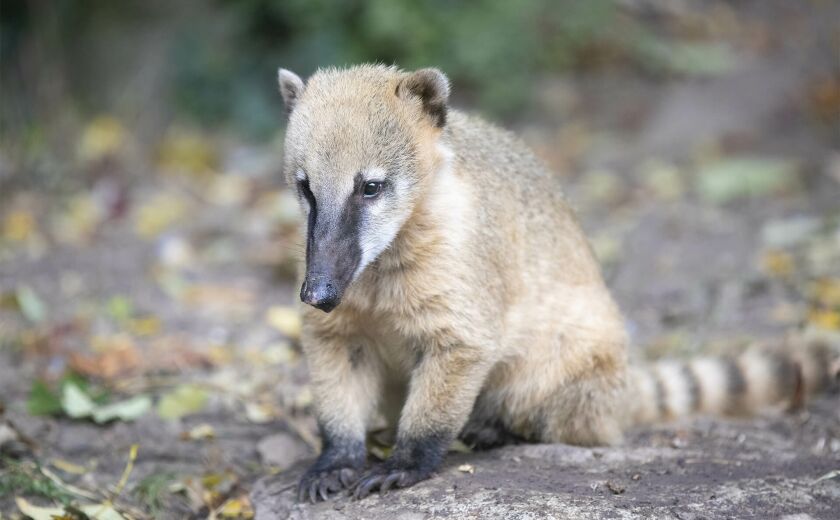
79, 220
75, 402
187, 152
229, 190
30, 304
42, 400
183, 400
239, 507
68, 467
18, 226
663, 179
826, 319
259, 413
116, 355
202, 431
466, 468
159, 213
778, 263
826, 291
734, 178
127, 410
144, 326
102, 137
93, 511
458, 446
285, 319
790, 231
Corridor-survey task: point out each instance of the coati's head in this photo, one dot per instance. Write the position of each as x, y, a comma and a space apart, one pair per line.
361, 145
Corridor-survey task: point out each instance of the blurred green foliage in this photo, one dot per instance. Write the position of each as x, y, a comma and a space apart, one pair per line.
213, 61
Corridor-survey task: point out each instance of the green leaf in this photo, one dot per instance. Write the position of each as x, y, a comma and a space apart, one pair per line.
42, 400
126, 410
75, 402
183, 400
120, 308
731, 179
30, 304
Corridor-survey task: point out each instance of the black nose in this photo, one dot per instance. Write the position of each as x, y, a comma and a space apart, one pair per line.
320, 294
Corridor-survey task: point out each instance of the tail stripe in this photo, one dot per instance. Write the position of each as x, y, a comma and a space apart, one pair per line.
693, 383
736, 384
713, 380
677, 399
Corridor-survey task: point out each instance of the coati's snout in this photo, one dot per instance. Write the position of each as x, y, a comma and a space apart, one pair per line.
332, 252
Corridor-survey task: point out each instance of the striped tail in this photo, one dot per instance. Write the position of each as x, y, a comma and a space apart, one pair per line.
757, 379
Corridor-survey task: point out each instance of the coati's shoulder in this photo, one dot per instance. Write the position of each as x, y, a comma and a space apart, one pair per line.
489, 147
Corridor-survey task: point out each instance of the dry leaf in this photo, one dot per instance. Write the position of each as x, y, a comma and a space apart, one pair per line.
18, 226
285, 319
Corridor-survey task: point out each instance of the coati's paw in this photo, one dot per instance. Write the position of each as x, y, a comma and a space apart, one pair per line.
383, 478
316, 484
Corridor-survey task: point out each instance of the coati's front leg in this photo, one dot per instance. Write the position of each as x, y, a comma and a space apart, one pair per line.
345, 386
441, 393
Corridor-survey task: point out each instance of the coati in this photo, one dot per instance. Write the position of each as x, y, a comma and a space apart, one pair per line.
450, 287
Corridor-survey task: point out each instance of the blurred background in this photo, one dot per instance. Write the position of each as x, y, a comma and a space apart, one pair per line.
148, 245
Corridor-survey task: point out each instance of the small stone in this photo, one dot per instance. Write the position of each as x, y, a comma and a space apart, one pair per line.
282, 450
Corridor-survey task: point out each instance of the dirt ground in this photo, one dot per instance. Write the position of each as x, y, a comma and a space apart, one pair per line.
713, 203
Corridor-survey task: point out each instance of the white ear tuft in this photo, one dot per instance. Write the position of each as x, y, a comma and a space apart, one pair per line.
291, 88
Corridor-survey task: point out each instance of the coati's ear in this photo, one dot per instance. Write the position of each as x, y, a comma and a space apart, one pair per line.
432, 87
291, 87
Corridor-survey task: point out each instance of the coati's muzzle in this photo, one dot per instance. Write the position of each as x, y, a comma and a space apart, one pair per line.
332, 256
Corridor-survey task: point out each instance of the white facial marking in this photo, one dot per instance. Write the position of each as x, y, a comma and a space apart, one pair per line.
376, 231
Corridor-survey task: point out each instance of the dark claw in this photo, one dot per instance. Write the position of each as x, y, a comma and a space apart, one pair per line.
323, 488
390, 480
347, 477
364, 487
313, 491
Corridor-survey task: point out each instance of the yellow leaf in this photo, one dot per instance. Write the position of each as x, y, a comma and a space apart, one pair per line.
79, 220
466, 468
825, 319
146, 326
68, 467
826, 291
259, 413
183, 400
158, 214
187, 152
202, 431
237, 508
18, 226
778, 263
229, 190
102, 137
285, 319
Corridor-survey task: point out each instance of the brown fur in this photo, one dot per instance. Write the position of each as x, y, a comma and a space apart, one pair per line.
487, 309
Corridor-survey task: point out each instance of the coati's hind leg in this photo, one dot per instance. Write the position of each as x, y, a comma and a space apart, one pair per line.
488, 435
585, 412
552, 401
485, 428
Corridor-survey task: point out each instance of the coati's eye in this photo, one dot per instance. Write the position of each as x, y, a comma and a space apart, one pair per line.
372, 189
